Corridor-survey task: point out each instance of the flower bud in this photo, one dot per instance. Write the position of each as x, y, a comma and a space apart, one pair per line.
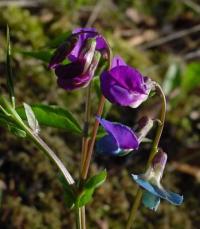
63, 51
87, 53
144, 126
158, 164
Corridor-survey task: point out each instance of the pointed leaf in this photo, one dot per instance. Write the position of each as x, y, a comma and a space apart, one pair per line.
32, 121
84, 198
89, 188
172, 78
54, 43
96, 181
53, 116
191, 79
44, 55
9, 69
16, 131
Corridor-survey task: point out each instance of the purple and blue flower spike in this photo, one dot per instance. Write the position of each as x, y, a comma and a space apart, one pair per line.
124, 85
119, 141
83, 48
150, 182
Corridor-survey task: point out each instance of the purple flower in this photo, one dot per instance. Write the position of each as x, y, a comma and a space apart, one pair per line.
83, 49
150, 182
121, 139
124, 85
83, 35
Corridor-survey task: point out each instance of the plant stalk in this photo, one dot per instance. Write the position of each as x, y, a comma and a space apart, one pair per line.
39, 142
153, 152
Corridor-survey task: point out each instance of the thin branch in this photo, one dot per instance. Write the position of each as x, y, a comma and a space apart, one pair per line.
170, 37
193, 5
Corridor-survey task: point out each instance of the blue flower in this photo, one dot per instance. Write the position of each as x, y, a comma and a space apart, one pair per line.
150, 182
121, 139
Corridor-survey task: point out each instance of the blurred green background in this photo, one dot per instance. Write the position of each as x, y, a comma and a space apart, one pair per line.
159, 37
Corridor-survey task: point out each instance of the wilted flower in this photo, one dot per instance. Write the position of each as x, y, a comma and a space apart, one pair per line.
150, 182
124, 85
83, 48
120, 139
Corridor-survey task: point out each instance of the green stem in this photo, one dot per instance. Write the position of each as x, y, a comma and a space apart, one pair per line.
88, 158
153, 152
81, 216
38, 141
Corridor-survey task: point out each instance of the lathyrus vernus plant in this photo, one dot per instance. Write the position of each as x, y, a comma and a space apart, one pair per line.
75, 62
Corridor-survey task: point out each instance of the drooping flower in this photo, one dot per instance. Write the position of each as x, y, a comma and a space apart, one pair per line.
120, 139
83, 35
150, 182
77, 74
124, 85
83, 49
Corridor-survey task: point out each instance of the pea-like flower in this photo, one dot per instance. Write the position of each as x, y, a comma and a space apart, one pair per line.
124, 85
120, 139
150, 182
83, 49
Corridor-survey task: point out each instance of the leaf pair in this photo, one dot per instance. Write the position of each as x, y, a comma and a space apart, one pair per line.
72, 199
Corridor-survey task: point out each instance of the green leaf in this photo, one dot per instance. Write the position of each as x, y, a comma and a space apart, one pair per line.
96, 181
54, 43
172, 78
32, 121
84, 198
12, 127
89, 188
69, 194
53, 116
16, 131
191, 77
44, 55
9, 69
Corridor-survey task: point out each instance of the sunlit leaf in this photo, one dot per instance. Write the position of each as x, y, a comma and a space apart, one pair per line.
96, 181
84, 198
32, 121
53, 116
89, 187
191, 77
172, 78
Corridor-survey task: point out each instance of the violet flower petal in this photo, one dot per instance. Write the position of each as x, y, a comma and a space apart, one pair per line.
117, 61
70, 76
107, 145
124, 136
62, 52
82, 37
124, 86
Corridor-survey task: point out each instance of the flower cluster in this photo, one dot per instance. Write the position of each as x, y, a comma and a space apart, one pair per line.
122, 85
83, 49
